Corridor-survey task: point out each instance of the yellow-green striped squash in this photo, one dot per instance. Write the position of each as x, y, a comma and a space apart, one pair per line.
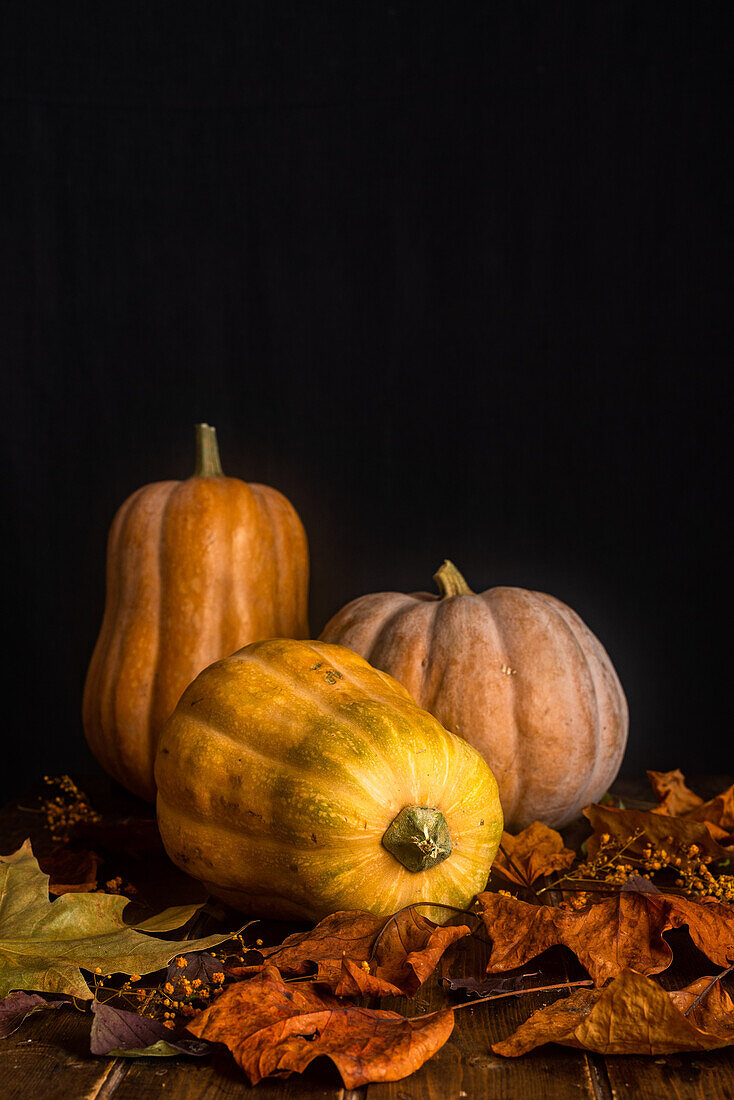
295, 780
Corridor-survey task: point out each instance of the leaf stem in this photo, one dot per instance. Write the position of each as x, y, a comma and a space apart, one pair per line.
707, 989
512, 993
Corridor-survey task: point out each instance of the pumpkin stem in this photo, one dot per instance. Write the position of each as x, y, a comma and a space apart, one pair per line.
418, 837
450, 581
208, 462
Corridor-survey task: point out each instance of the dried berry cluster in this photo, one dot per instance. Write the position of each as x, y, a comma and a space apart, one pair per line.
64, 807
178, 997
617, 859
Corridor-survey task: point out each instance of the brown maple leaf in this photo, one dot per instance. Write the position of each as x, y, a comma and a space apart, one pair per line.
678, 800
538, 850
275, 1028
609, 936
358, 954
658, 830
632, 1015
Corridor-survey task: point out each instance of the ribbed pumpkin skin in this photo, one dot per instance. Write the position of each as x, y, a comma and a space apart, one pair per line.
553, 731
282, 767
195, 570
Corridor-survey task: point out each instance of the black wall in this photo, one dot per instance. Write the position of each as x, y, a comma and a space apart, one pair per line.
453, 278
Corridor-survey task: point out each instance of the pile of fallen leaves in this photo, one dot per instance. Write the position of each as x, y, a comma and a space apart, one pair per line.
67, 941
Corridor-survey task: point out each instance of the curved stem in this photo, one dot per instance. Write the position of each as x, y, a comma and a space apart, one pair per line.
450, 581
512, 993
707, 989
208, 462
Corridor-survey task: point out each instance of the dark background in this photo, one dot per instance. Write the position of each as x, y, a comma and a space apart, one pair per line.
453, 278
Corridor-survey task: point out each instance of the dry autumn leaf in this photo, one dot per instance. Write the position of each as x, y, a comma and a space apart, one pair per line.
678, 800
621, 932
470, 987
44, 943
632, 1015
358, 954
673, 796
658, 830
120, 1033
274, 1028
70, 872
624, 931
16, 1006
710, 926
538, 850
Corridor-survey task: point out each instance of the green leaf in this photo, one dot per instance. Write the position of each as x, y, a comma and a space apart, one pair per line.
43, 944
174, 917
161, 1049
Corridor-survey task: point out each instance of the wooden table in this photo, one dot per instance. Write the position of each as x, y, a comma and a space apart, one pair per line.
48, 1057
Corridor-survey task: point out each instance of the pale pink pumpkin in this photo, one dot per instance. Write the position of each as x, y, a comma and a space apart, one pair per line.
517, 673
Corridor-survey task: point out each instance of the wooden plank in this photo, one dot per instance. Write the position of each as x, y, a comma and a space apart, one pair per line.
48, 1059
219, 1078
706, 1076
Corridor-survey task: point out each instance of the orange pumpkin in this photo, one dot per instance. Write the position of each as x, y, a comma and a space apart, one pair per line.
195, 570
517, 673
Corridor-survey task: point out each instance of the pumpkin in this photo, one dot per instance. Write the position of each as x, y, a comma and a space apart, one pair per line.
517, 673
294, 781
195, 570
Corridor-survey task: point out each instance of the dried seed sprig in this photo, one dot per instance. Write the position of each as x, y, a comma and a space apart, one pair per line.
65, 806
614, 864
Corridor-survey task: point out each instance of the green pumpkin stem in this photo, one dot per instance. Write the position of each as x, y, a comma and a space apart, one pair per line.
450, 581
208, 462
418, 837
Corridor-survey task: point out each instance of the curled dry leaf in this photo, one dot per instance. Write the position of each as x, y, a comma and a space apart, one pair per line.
710, 926
632, 1015
358, 954
116, 1031
673, 796
621, 932
719, 812
16, 1006
677, 799
538, 850
607, 937
44, 943
470, 987
69, 871
274, 1028
654, 828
